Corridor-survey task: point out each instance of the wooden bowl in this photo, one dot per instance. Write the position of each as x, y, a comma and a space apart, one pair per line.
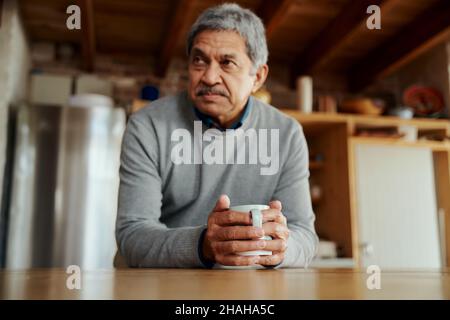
362, 106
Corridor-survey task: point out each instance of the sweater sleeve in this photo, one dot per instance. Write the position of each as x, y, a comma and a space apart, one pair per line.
141, 238
293, 192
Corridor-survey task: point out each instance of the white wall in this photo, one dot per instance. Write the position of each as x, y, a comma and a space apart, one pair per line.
14, 66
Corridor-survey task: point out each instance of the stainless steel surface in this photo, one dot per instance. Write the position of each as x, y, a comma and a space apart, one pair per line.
65, 184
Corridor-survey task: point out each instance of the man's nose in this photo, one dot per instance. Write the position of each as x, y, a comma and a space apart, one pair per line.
212, 75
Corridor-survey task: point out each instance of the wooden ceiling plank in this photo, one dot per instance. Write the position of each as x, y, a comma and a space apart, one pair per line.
176, 27
426, 31
350, 17
1, 11
88, 41
273, 13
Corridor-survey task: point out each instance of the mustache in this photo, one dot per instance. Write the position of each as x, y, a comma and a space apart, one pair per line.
201, 91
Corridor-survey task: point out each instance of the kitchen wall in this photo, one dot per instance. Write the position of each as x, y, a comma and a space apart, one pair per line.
430, 69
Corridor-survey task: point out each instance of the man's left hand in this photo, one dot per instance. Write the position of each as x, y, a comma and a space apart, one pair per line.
275, 225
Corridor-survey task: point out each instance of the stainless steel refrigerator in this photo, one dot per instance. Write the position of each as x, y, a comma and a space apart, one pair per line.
64, 185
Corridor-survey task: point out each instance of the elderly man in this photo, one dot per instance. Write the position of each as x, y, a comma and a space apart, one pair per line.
177, 213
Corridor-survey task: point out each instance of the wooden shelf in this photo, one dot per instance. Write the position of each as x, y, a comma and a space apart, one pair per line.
433, 145
322, 117
318, 121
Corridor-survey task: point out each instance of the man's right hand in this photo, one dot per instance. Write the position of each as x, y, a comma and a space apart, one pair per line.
230, 232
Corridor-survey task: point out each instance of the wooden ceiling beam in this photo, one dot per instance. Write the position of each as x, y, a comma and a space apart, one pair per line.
88, 41
1, 11
176, 26
426, 31
273, 12
328, 39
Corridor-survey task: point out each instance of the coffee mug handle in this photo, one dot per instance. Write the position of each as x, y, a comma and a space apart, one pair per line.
257, 219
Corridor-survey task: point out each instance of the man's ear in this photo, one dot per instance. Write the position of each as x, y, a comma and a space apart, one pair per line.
260, 77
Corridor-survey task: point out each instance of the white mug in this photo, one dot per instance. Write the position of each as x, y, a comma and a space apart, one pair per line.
248, 208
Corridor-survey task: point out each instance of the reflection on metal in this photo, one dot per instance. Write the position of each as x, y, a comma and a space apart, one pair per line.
64, 188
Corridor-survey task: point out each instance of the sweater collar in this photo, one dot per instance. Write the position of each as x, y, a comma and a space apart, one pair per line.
210, 123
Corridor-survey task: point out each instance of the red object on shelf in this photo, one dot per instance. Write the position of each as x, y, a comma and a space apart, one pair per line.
424, 100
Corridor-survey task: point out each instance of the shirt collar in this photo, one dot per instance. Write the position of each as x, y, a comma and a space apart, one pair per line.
210, 123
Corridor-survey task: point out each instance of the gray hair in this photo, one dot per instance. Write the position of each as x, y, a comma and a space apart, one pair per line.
230, 16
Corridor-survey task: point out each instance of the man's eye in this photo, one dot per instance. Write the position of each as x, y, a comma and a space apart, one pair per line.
228, 63
198, 61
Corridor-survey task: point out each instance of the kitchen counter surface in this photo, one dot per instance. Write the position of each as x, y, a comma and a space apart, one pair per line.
225, 284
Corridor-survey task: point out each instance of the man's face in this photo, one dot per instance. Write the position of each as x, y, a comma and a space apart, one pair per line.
220, 74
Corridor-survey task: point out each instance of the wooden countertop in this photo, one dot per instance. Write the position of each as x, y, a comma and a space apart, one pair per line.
224, 284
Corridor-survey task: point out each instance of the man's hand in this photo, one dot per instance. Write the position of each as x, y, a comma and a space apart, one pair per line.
275, 225
230, 232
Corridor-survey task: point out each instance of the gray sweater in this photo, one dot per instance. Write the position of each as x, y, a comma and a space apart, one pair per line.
164, 204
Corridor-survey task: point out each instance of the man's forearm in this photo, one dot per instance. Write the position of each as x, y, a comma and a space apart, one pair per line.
144, 245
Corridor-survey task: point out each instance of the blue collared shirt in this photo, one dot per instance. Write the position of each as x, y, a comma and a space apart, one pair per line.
210, 123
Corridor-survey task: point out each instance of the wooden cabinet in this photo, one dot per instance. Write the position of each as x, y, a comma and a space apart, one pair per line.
398, 223
338, 210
